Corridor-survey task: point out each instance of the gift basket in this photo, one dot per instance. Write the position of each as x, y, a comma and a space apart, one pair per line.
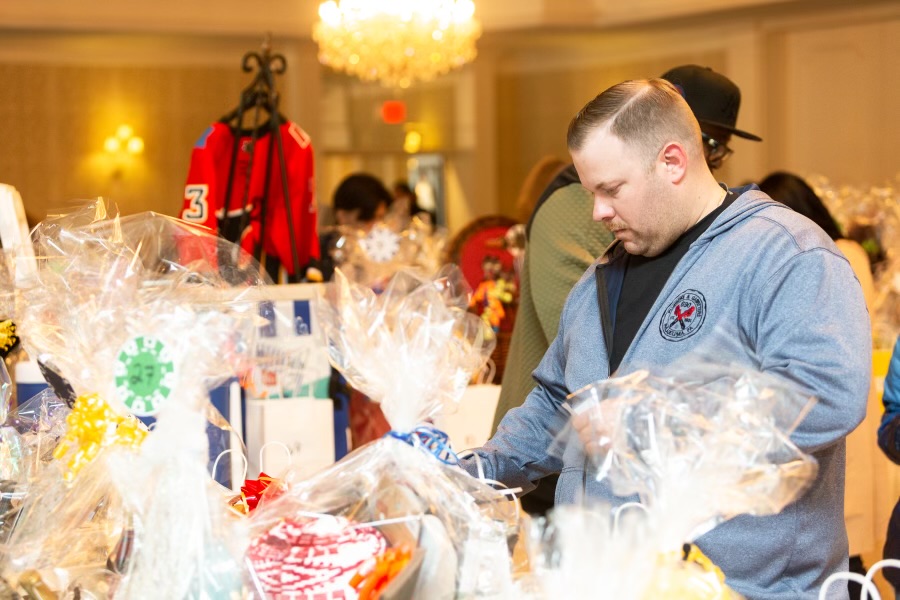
690, 447
28, 438
140, 316
10, 348
397, 515
371, 256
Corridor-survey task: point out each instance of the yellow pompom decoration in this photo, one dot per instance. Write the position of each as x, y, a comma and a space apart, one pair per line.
688, 575
93, 425
8, 336
693, 554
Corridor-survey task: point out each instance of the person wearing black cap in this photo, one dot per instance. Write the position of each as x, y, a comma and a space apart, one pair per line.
562, 241
715, 101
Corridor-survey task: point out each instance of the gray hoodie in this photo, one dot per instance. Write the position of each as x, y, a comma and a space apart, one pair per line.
770, 291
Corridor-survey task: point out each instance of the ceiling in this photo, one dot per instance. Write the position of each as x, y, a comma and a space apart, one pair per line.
294, 18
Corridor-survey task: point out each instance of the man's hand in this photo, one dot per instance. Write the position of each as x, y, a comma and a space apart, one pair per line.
596, 425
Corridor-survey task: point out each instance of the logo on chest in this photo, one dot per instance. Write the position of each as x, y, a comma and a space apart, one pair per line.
683, 317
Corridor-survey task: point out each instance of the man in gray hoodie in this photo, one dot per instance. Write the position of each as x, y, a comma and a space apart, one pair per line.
695, 265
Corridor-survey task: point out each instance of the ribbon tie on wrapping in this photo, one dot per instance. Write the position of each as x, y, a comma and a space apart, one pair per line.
431, 439
93, 425
253, 490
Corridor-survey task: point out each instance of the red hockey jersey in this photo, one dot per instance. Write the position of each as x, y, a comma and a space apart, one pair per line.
204, 193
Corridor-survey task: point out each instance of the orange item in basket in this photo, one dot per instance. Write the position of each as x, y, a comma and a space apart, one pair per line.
370, 581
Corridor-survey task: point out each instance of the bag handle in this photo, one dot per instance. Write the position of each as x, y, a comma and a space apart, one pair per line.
230, 451
282, 445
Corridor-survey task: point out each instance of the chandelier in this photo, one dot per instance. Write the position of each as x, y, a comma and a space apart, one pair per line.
396, 42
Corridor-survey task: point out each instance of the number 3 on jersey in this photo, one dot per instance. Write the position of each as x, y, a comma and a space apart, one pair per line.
197, 203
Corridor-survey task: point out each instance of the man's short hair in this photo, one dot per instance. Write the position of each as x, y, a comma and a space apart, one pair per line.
644, 113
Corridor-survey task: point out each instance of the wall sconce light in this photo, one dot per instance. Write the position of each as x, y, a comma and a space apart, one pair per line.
124, 140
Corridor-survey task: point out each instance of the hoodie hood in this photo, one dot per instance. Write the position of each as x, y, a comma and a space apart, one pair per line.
750, 200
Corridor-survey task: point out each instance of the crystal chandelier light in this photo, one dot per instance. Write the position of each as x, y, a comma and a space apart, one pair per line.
396, 42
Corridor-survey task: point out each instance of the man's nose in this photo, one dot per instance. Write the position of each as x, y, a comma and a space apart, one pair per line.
602, 210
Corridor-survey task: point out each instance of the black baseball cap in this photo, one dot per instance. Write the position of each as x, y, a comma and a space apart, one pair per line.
714, 99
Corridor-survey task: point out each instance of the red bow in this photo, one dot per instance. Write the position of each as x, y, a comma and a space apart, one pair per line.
253, 490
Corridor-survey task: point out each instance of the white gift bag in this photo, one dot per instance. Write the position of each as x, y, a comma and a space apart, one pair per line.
304, 425
288, 404
470, 426
14, 233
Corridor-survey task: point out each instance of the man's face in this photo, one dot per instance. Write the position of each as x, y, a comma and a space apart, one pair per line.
631, 196
715, 145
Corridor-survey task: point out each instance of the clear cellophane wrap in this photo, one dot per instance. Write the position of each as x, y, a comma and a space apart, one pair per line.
10, 349
414, 349
685, 449
372, 256
140, 314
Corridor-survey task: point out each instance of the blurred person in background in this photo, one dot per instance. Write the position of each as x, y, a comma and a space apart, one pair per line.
360, 201
406, 207
889, 442
536, 181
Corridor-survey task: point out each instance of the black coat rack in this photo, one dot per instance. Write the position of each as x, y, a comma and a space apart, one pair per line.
260, 97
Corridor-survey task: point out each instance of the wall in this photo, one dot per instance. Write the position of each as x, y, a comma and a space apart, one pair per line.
837, 90
63, 94
355, 137
538, 105
820, 86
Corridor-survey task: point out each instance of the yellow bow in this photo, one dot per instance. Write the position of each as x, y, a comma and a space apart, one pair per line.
93, 425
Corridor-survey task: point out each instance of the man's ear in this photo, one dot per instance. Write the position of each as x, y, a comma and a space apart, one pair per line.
673, 162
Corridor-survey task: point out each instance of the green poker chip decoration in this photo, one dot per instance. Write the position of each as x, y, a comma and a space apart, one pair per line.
144, 372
